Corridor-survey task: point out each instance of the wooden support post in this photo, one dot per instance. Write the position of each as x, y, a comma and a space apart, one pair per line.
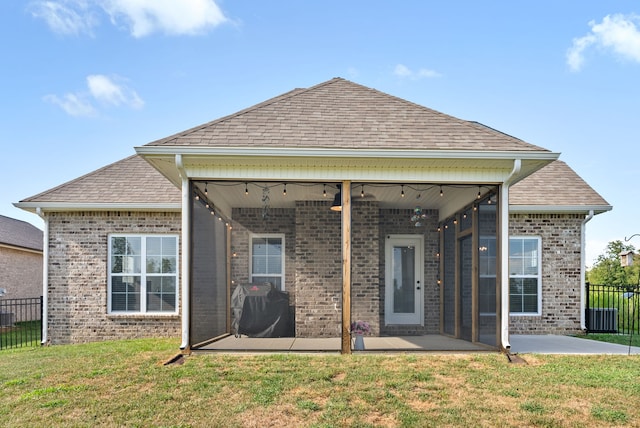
346, 267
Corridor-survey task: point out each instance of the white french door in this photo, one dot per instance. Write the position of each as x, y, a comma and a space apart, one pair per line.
404, 273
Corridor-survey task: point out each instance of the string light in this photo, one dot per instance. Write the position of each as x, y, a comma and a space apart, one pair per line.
197, 197
479, 195
246, 189
284, 191
402, 193
441, 192
362, 191
206, 192
324, 190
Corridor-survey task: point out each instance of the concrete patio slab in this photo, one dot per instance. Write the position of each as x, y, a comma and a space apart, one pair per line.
432, 343
556, 344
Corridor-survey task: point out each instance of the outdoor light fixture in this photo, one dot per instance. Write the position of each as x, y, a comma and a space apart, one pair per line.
337, 200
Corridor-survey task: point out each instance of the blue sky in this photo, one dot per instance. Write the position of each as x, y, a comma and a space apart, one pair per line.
84, 81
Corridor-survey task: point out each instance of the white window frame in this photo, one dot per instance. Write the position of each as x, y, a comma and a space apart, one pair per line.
143, 274
538, 276
282, 261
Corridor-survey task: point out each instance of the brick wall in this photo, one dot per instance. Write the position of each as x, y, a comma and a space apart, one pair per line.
318, 267
561, 246
20, 273
78, 248
365, 254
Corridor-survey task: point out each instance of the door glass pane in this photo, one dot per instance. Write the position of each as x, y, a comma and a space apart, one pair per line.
404, 280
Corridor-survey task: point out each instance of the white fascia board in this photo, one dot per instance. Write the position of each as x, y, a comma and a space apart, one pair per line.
561, 209
344, 153
88, 206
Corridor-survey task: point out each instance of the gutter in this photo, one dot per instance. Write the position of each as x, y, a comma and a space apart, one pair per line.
45, 278
343, 153
185, 246
583, 244
504, 255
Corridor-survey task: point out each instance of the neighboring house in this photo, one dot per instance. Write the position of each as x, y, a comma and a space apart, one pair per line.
357, 204
20, 259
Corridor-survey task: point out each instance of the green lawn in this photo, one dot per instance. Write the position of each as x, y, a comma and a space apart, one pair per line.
125, 384
26, 333
622, 339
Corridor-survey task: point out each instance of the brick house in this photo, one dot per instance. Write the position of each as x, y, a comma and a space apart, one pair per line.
20, 258
353, 203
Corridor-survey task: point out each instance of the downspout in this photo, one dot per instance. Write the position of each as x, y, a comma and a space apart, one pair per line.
185, 245
45, 278
583, 286
504, 255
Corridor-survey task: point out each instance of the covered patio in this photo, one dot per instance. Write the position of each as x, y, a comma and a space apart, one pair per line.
387, 212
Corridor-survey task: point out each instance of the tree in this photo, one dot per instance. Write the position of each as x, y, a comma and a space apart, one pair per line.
609, 271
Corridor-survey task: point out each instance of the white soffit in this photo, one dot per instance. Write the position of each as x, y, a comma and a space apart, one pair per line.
367, 165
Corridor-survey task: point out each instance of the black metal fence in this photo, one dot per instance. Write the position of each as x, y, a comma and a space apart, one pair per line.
20, 322
612, 308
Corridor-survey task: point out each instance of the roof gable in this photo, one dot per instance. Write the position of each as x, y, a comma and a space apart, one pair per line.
342, 114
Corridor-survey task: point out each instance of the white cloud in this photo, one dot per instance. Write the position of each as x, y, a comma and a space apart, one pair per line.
73, 104
169, 16
617, 33
66, 16
140, 17
403, 71
108, 91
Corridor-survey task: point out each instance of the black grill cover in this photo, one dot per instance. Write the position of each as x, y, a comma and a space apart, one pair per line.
264, 313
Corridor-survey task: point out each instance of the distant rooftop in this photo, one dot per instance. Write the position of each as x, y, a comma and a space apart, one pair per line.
18, 233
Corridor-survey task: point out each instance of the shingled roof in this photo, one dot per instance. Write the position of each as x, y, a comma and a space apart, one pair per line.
129, 181
342, 114
334, 114
18, 233
555, 185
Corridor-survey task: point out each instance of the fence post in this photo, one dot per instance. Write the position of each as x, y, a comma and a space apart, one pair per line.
587, 322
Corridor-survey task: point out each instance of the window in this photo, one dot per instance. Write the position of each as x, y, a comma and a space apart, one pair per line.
267, 260
525, 283
143, 274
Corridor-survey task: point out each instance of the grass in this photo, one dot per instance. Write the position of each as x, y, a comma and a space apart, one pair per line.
622, 339
26, 333
125, 384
